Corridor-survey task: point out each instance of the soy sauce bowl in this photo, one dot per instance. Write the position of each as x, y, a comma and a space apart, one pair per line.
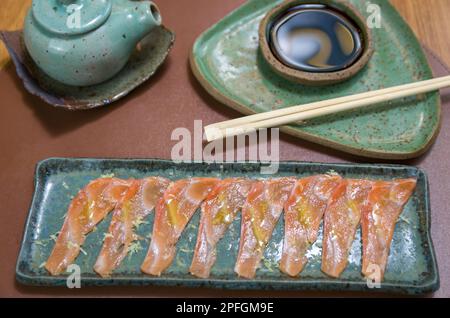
307, 61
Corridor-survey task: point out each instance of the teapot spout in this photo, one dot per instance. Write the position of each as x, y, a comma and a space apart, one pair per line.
148, 17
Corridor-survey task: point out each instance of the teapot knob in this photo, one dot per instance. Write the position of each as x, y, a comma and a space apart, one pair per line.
53, 15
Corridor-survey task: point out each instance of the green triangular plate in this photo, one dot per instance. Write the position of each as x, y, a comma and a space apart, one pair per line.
227, 61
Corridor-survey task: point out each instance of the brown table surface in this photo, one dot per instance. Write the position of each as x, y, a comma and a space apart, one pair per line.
140, 126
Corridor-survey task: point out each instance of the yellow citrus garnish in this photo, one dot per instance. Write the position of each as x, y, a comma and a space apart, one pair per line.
223, 216
351, 205
85, 213
257, 217
126, 209
303, 210
172, 209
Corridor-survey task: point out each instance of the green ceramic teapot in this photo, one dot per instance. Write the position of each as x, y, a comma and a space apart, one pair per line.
86, 42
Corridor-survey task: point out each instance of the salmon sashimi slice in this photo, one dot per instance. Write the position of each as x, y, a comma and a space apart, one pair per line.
341, 220
303, 213
218, 211
385, 204
135, 205
173, 212
91, 205
260, 214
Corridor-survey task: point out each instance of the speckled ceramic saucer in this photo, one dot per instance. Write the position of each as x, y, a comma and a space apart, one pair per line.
151, 53
227, 61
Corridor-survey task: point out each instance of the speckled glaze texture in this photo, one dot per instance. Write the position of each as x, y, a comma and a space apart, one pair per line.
144, 62
411, 268
310, 78
227, 61
88, 57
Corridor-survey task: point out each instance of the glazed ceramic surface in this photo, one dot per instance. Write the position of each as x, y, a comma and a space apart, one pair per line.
411, 267
143, 63
357, 34
227, 61
83, 42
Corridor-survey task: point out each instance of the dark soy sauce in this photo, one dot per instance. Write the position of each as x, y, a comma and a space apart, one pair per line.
315, 38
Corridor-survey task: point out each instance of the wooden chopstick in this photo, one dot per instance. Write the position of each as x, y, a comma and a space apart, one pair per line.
315, 105
301, 112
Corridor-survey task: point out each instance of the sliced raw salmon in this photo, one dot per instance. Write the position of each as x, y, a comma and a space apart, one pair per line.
303, 214
218, 212
87, 209
138, 201
260, 214
341, 220
173, 212
380, 215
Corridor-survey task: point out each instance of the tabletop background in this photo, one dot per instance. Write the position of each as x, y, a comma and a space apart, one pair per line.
428, 19
31, 131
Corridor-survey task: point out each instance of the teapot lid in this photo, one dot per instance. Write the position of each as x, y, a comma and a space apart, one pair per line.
71, 17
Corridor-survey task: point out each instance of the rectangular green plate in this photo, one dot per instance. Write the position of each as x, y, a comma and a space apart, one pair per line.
411, 269
228, 63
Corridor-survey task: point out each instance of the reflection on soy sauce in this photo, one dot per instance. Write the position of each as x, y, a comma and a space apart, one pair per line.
315, 38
